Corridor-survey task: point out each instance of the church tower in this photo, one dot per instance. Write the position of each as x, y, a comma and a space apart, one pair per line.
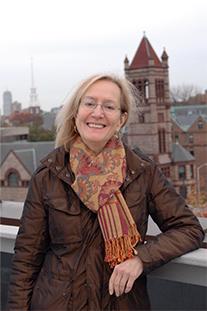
149, 126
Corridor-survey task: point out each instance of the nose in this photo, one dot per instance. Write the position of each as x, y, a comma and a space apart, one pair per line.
98, 111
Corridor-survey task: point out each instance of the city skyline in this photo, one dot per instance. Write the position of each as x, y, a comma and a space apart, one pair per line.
67, 43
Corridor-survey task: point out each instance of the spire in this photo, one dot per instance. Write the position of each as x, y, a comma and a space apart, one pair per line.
145, 56
33, 93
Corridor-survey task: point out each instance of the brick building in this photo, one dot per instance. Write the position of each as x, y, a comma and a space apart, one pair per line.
18, 161
189, 128
150, 123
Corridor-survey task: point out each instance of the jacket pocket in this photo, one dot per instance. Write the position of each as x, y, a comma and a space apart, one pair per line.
64, 226
51, 294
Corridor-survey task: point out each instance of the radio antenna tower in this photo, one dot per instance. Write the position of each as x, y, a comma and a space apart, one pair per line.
33, 92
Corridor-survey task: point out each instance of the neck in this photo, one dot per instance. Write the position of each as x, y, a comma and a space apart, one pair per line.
96, 148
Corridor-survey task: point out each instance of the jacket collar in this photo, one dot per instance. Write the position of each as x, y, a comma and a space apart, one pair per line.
58, 162
136, 165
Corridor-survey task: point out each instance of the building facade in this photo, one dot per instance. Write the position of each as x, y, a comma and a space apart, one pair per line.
150, 125
190, 131
18, 162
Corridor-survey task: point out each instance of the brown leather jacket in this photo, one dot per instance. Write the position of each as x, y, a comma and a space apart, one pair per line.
58, 262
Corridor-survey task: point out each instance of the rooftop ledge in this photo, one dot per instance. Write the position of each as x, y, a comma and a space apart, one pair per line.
189, 268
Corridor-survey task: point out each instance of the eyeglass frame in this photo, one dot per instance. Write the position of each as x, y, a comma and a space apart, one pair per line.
94, 105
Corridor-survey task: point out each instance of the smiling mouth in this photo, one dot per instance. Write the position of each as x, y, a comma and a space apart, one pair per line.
95, 125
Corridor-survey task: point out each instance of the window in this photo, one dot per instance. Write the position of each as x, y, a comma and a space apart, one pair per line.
181, 172
161, 140
160, 117
143, 88
13, 179
191, 171
166, 171
176, 138
141, 118
23, 137
192, 152
159, 90
190, 138
200, 125
25, 183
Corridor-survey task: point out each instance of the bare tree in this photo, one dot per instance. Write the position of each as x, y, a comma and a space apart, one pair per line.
182, 93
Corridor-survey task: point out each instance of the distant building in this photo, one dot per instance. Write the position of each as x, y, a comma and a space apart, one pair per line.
34, 110
56, 109
48, 120
186, 110
199, 99
10, 134
16, 107
150, 125
18, 161
7, 103
190, 130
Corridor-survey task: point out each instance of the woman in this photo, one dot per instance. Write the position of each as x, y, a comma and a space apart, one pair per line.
81, 244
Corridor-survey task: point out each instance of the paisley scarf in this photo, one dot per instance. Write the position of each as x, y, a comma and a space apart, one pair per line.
97, 182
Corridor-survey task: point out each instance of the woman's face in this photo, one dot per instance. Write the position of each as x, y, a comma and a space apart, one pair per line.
99, 116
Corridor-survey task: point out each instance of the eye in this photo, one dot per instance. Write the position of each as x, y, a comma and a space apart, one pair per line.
109, 107
89, 104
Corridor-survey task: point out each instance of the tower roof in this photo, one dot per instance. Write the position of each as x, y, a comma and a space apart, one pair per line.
145, 56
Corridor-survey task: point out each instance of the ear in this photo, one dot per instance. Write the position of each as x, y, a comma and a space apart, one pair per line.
123, 118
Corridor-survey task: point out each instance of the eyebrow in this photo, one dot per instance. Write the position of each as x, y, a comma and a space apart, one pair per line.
105, 100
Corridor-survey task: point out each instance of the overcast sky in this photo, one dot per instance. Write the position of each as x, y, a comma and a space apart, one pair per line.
70, 39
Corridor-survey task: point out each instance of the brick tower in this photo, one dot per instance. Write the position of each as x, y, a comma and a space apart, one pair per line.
149, 126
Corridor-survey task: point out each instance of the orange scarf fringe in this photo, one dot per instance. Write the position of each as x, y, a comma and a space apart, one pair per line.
119, 249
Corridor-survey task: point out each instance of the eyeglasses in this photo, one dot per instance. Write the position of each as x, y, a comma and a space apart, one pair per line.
90, 105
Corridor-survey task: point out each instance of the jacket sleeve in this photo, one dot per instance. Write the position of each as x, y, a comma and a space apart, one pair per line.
181, 231
30, 246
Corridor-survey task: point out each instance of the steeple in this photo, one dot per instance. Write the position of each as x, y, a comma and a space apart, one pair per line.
33, 92
145, 56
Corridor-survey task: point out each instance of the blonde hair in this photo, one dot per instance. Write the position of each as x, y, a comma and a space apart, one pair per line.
65, 120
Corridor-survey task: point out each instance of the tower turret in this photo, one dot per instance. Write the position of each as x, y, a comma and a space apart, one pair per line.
126, 63
164, 58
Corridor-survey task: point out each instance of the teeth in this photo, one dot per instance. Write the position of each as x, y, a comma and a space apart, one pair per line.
99, 126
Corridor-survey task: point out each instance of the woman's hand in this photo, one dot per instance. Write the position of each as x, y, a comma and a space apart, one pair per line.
124, 275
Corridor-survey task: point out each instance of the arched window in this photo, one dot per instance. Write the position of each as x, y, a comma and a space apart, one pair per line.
143, 88
13, 179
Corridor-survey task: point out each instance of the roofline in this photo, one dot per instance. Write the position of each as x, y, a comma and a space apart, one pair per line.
12, 151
